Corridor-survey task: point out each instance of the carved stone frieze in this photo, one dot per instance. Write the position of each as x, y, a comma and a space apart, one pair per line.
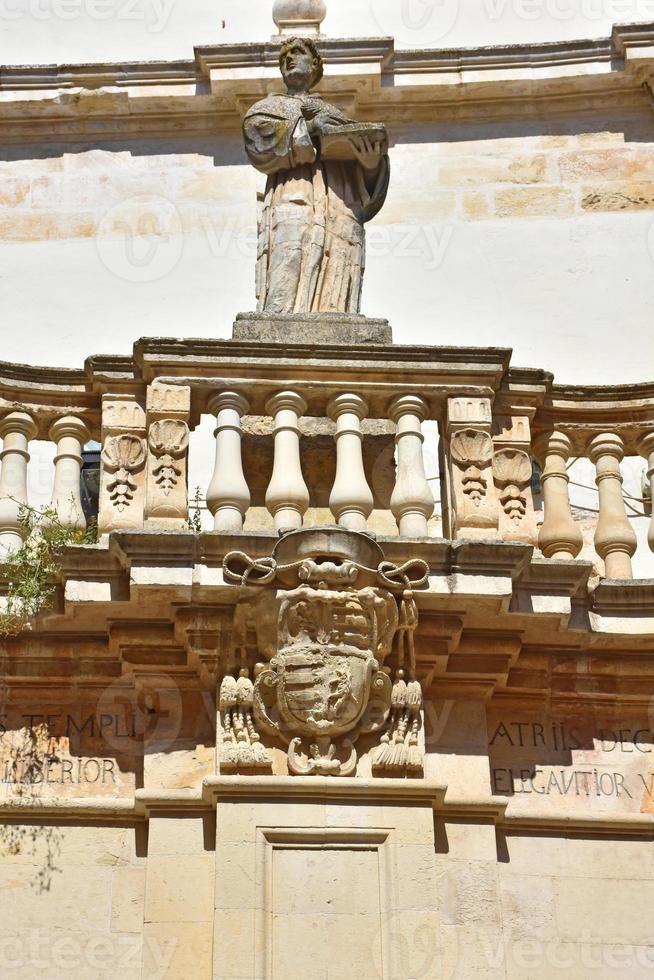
322, 642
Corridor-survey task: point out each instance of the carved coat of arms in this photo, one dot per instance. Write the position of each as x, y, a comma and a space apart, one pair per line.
323, 681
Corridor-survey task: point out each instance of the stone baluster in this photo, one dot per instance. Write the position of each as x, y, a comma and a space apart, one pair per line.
615, 539
412, 501
351, 499
646, 449
228, 496
287, 497
16, 430
559, 536
70, 434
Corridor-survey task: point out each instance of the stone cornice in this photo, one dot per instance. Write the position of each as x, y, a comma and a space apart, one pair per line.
585, 411
318, 371
337, 51
213, 90
147, 577
505, 813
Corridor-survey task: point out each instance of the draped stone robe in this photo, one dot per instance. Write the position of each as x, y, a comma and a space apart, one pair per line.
311, 253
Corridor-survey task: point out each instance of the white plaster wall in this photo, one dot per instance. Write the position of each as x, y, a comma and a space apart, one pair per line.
47, 31
574, 295
522, 284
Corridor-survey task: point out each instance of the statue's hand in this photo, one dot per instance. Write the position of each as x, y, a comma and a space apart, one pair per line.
369, 152
302, 149
312, 107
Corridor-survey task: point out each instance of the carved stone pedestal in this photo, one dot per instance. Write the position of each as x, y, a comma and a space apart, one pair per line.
339, 329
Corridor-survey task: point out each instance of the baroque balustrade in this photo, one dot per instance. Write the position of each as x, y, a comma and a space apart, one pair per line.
411, 442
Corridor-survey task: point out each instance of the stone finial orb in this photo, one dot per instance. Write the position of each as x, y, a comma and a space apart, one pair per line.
299, 16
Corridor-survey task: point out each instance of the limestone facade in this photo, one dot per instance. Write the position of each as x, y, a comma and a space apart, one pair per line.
388, 715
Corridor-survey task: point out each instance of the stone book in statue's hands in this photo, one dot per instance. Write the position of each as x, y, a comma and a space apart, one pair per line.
336, 141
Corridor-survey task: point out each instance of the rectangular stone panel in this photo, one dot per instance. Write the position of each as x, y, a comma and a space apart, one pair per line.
325, 917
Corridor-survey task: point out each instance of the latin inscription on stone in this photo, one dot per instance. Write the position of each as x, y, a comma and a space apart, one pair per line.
587, 762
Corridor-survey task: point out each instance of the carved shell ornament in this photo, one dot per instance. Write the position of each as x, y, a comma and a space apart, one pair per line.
472, 450
168, 441
123, 456
512, 473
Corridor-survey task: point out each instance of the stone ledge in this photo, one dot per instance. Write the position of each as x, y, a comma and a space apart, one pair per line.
314, 789
133, 98
503, 812
341, 329
624, 597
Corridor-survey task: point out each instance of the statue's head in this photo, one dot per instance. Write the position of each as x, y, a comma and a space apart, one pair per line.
300, 64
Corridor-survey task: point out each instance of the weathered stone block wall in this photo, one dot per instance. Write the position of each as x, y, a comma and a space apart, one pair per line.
75, 896
309, 884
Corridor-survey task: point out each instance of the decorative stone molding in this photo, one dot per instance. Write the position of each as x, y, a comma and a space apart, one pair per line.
471, 453
123, 456
152, 97
324, 640
512, 472
241, 746
168, 440
473, 506
168, 413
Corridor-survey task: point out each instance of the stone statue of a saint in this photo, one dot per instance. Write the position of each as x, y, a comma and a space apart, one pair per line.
327, 176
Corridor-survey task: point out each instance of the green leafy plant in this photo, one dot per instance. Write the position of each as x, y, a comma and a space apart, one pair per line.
30, 574
195, 514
